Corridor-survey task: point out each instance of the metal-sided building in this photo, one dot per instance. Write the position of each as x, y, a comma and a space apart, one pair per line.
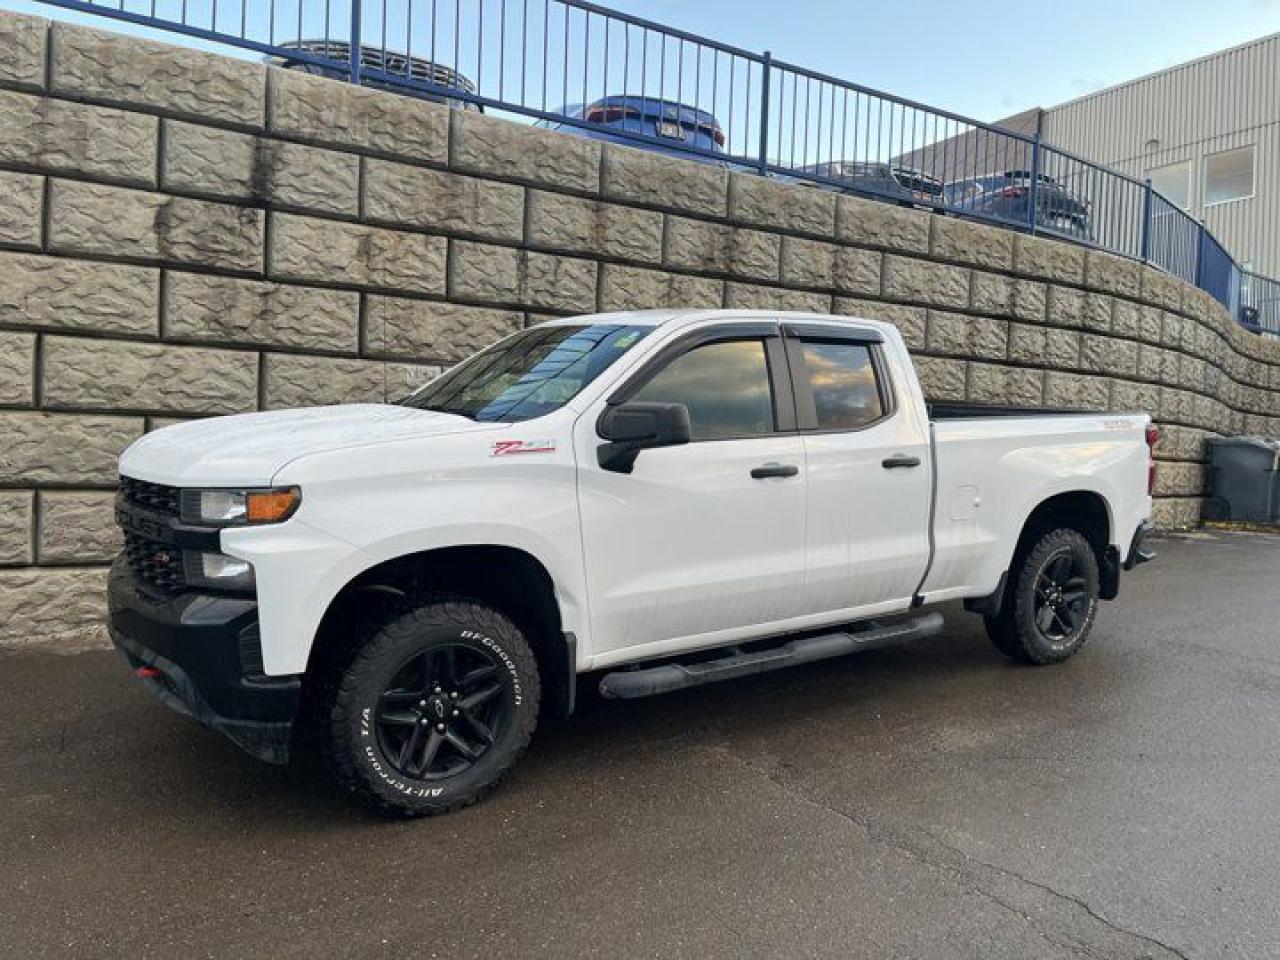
1206, 132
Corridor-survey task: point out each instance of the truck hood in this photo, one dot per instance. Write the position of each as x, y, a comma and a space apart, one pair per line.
249, 449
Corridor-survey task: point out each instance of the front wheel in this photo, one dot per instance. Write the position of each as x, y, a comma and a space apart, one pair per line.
1052, 600
434, 709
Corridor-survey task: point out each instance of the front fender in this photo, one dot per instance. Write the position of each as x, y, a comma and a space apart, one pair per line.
299, 569
563, 566
391, 504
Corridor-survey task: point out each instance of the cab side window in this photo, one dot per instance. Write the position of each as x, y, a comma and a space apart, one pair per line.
846, 393
725, 385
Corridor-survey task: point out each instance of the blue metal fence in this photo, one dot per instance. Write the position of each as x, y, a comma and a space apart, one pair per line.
1260, 303
552, 59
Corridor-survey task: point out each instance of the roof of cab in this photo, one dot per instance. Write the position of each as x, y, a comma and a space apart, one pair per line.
657, 318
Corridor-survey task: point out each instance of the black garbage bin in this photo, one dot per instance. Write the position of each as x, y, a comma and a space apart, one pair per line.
1244, 480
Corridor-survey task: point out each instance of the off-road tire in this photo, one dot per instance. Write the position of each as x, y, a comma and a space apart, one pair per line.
352, 735
1018, 631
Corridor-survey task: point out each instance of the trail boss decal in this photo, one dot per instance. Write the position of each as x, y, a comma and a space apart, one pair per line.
509, 448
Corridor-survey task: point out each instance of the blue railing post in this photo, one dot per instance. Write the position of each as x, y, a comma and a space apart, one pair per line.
355, 41
1033, 195
1145, 246
765, 69
1199, 253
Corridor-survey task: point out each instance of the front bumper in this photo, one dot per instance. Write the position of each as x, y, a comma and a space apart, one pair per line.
200, 655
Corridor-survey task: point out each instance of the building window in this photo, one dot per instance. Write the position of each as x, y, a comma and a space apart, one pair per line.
1173, 182
1228, 176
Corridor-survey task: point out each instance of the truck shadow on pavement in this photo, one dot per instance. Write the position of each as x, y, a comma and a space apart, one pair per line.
140, 758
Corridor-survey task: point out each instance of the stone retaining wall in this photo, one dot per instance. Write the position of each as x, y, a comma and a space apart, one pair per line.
183, 235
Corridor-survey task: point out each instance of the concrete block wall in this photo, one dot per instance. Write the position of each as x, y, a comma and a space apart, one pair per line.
185, 235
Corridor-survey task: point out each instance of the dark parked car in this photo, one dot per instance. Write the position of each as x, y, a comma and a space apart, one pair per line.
878, 179
1007, 196
671, 127
377, 60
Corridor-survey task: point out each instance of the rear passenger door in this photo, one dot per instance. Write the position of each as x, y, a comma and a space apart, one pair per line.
867, 529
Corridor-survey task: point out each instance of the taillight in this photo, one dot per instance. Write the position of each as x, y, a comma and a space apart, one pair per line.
1012, 193
609, 114
718, 135
1153, 437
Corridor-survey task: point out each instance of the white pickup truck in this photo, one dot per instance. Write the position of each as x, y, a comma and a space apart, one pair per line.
668, 498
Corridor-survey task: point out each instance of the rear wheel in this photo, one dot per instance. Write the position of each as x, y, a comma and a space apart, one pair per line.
434, 709
1051, 602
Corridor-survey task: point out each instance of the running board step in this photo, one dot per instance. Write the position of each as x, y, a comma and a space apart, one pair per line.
645, 682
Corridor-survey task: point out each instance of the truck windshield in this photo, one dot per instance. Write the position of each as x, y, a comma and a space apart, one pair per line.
529, 374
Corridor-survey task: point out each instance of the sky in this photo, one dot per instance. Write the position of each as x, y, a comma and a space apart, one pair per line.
983, 60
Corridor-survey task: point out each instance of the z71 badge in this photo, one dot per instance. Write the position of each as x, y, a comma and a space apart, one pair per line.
509, 448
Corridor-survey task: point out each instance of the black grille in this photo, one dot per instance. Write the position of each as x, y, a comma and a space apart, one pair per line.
155, 564
153, 496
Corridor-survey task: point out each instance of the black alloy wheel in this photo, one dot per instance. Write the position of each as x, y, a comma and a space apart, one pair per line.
443, 709
1060, 596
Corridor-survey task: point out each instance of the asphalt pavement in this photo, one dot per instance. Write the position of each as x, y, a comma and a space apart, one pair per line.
929, 801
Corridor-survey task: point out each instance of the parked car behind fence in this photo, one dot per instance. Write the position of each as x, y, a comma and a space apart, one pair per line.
878, 179
1006, 196
376, 60
666, 126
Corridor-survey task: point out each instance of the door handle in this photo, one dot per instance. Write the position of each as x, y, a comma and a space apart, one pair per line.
766, 470
899, 461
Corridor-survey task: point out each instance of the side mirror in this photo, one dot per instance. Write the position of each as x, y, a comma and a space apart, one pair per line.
632, 427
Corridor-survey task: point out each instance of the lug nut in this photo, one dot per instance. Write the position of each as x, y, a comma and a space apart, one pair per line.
424, 721
455, 713
422, 703
437, 689
454, 694
440, 727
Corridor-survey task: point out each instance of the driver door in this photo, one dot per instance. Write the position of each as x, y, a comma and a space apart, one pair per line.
705, 539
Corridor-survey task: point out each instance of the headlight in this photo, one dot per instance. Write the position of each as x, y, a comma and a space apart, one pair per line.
225, 508
216, 570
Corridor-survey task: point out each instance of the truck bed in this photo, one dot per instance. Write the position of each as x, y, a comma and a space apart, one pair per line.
993, 464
